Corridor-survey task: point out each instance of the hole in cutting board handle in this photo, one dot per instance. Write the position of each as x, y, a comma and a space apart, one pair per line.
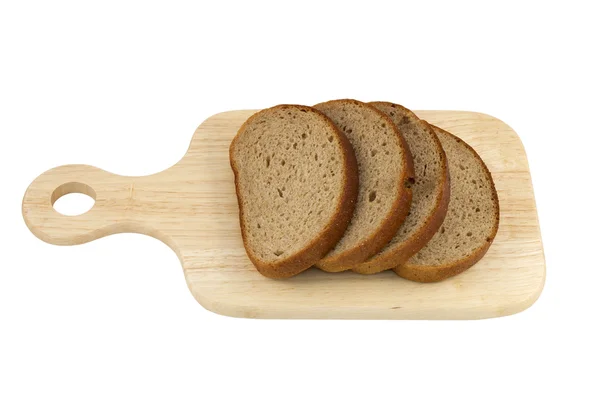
75, 198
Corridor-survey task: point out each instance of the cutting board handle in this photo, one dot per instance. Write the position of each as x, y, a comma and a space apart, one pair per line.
116, 208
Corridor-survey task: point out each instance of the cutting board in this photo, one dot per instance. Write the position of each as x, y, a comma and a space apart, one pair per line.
192, 208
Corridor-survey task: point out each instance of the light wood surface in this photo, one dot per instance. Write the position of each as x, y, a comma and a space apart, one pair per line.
193, 209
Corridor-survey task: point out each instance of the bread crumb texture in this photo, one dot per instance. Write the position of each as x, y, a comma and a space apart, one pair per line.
290, 168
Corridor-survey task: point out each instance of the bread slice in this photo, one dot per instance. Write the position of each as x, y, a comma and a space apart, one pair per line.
385, 177
431, 192
296, 181
471, 222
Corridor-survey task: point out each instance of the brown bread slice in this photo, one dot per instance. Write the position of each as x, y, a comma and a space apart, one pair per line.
296, 181
431, 192
471, 222
385, 176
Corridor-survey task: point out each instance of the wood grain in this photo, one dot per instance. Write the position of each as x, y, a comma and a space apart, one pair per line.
192, 208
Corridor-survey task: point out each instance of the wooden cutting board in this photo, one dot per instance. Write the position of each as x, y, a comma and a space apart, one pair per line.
193, 209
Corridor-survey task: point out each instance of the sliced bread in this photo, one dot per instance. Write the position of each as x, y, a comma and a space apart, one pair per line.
296, 181
431, 192
471, 222
385, 176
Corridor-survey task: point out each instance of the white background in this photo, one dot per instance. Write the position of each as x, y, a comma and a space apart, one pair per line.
122, 86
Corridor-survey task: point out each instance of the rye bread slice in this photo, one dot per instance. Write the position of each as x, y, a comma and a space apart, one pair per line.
296, 181
431, 192
385, 176
471, 222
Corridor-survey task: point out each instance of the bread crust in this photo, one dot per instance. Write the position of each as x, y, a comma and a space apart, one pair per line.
391, 222
403, 251
335, 228
436, 273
